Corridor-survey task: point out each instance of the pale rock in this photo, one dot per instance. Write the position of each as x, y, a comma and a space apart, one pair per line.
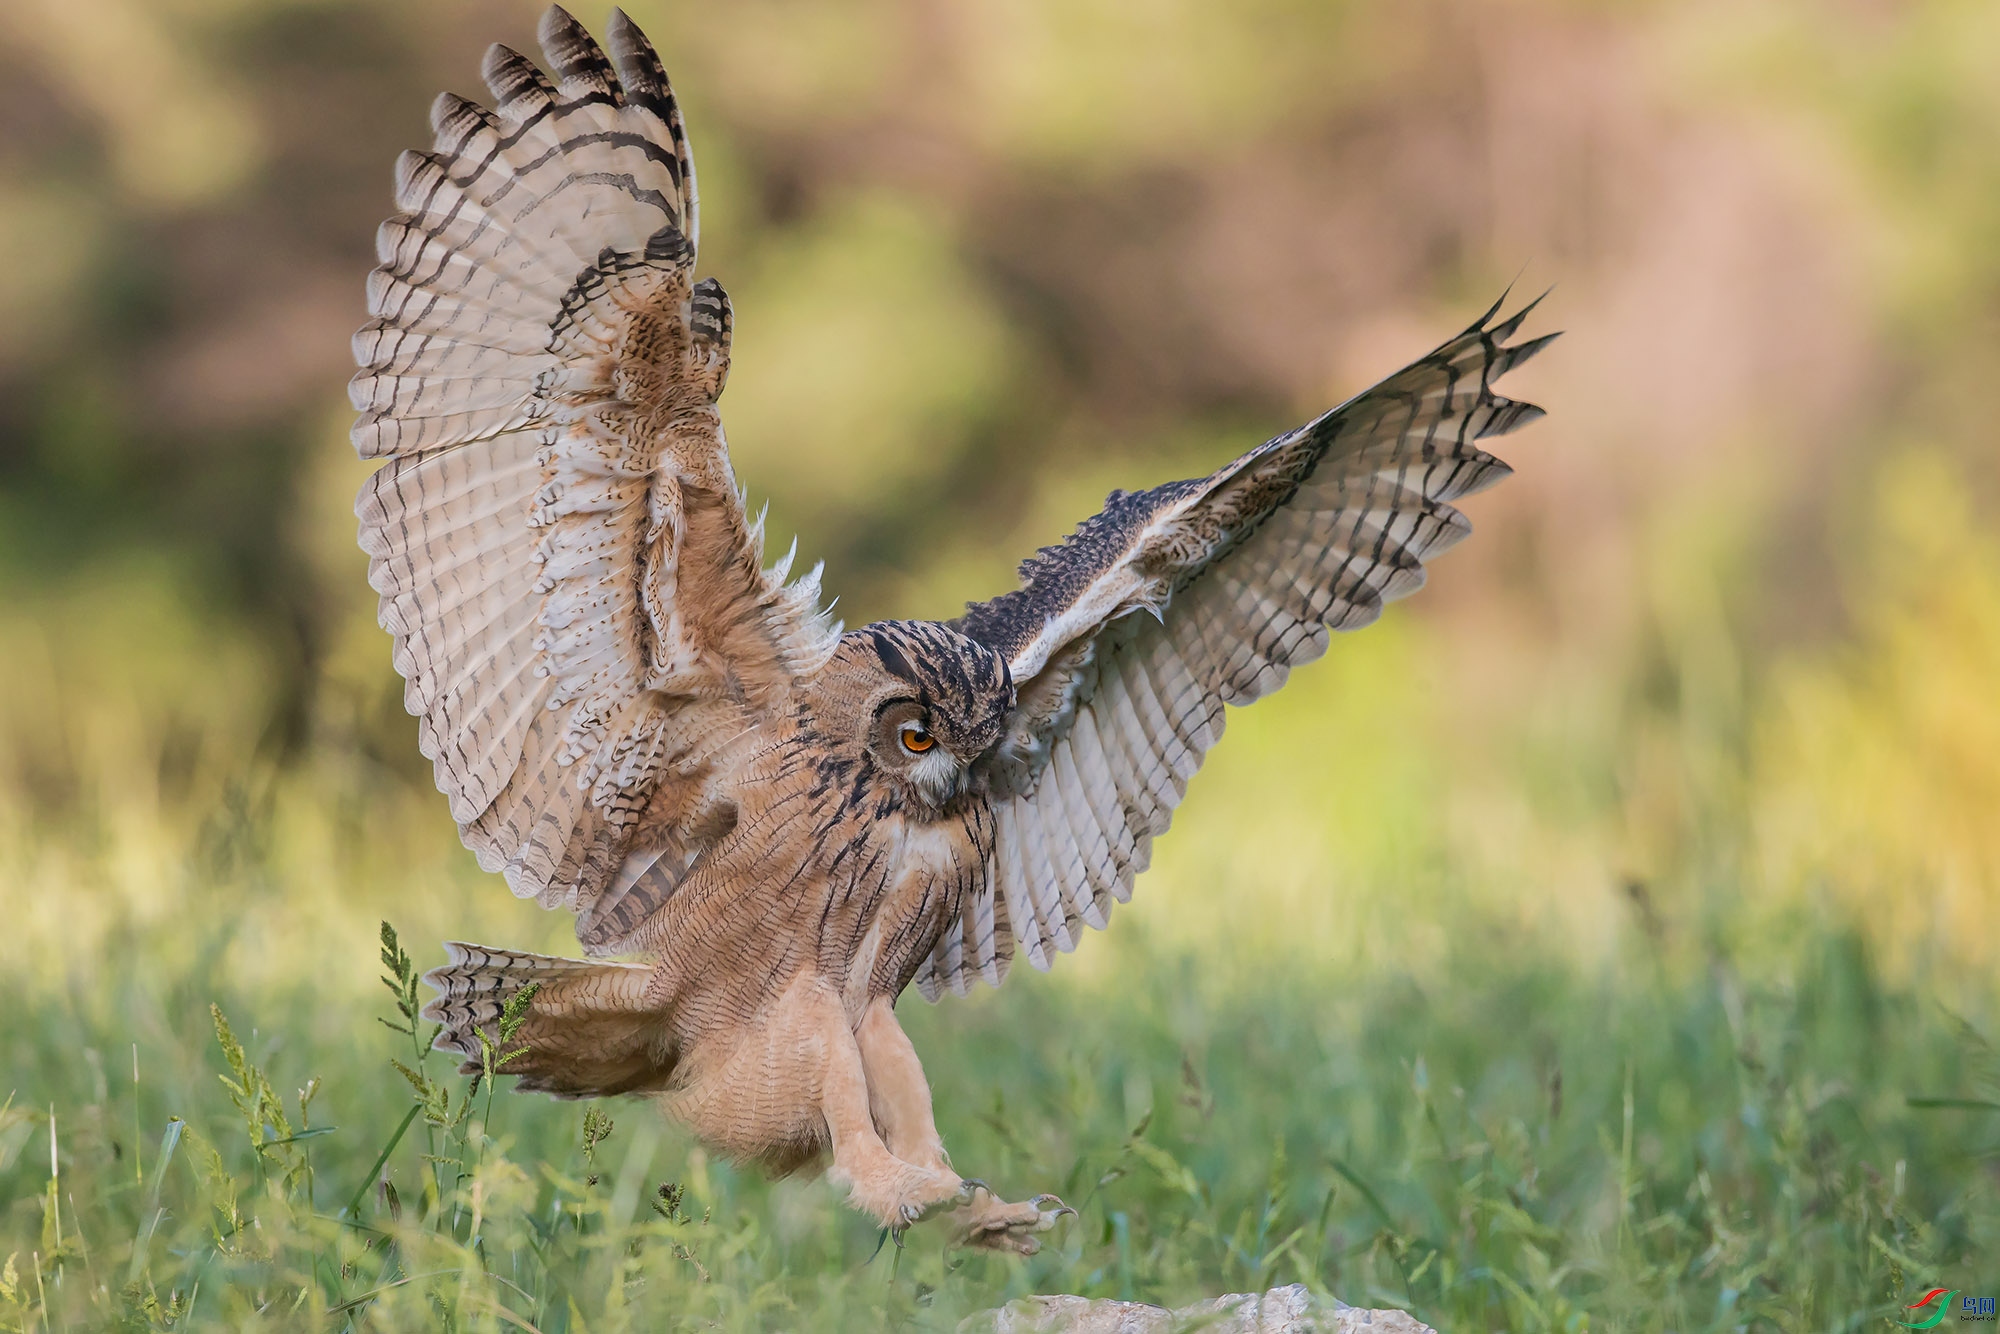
1287, 1310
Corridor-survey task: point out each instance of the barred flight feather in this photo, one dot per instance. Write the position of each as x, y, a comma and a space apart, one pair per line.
540, 379
1128, 639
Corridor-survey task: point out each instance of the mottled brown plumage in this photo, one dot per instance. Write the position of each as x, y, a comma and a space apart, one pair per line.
786, 825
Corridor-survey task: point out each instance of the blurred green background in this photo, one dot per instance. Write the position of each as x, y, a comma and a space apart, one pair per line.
1587, 926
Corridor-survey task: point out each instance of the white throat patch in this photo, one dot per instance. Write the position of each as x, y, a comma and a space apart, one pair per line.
938, 775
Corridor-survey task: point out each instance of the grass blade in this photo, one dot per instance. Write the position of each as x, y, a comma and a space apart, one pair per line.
354, 1202
314, 1133
170, 1143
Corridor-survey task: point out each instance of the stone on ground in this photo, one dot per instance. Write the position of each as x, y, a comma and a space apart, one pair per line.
1287, 1310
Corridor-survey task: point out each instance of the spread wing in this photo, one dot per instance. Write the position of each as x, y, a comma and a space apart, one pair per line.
1127, 640
577, 597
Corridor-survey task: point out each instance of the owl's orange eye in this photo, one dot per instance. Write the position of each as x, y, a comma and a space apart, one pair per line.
916, 739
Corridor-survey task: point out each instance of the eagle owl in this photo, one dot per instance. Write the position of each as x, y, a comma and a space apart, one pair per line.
633, 718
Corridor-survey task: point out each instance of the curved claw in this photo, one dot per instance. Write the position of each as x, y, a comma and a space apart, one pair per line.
1052, 1208
997, 1225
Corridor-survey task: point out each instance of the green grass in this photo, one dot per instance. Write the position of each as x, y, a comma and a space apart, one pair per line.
1389, 1029
1687, 1138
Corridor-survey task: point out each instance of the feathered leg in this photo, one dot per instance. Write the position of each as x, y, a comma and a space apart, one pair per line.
899, 1097
899, 1100
878, 1181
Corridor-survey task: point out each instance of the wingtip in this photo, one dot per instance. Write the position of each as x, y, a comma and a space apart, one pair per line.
1486, 318
1505, 329
1511, 356
632, 52
1511, 415
498, 56
555, 22
510, 77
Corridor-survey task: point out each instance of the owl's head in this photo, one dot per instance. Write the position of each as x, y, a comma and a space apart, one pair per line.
920, 700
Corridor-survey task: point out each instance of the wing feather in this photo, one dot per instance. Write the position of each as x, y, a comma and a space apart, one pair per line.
1127, 640
540, 378
1069, 857
1088, 829
1011, 861
1048, 867
1113, 820
991, 940
1141, 776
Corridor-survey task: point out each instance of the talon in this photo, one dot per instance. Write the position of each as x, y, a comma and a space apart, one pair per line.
1002, 1226
971, 1186
1054, 1208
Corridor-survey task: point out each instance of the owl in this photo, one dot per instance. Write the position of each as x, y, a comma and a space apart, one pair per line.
766, 828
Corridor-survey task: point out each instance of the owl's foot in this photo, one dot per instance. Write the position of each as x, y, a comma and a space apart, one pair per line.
904, 1194
992, 1222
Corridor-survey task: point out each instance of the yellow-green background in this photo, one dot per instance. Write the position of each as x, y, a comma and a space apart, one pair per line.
1516, 929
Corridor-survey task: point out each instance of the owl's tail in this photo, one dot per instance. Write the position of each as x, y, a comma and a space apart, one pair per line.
588, 1032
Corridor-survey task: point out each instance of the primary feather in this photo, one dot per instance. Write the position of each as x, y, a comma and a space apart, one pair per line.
1129, 637
557, 537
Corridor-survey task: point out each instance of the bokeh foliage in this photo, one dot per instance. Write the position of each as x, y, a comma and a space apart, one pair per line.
1564, 951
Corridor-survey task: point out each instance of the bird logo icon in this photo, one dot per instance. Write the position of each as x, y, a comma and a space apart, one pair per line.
1938, 1295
